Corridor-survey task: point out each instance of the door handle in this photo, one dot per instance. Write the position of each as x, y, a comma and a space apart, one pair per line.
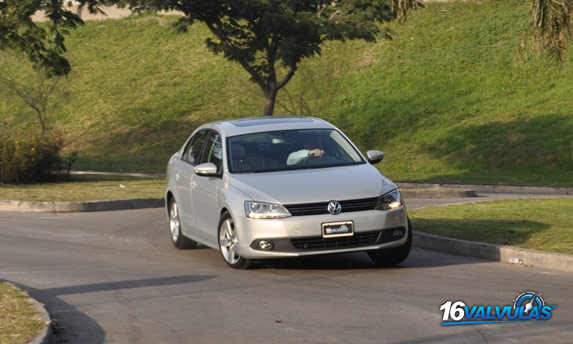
193, 184
177, 176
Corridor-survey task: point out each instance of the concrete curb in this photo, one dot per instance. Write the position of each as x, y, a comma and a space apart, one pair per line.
67, 207
128, 174
524, 257
538, 190
125, 204
46, 335
554, 261
441, 187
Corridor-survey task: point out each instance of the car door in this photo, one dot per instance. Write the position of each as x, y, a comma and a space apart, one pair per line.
184, 180
206, 188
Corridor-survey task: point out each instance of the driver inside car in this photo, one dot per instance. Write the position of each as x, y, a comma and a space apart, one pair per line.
312, 149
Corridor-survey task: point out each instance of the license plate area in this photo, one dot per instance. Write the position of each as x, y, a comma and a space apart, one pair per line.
337, 229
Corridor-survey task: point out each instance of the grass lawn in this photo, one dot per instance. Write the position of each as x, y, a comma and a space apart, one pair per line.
452, 98
539, 224
18, 317
86, 188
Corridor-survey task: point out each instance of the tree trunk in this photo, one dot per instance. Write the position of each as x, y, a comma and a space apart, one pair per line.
271, 97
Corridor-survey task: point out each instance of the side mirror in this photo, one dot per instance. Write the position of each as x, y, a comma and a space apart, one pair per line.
206, 170
374, 156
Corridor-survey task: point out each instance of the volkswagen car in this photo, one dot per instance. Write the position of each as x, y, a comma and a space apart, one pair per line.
263, 188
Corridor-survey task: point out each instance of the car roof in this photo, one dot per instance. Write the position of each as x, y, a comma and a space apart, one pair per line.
250, 125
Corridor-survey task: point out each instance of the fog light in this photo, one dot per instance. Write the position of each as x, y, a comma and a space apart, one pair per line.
398, 233
266, 245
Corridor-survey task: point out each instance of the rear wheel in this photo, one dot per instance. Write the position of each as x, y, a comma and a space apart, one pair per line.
177, 238
395, 255
229, 244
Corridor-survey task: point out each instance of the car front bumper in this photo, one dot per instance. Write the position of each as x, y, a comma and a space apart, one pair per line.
302, 235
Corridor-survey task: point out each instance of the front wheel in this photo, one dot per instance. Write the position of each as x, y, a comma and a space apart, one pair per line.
177, 238
395, 255
229, 244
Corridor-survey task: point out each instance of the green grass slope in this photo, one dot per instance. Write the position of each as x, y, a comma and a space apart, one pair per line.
453, 98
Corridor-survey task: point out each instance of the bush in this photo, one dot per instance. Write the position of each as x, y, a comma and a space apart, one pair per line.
29, 157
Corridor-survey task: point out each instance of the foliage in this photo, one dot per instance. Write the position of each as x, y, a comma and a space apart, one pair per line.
31, 85
29, 156
445, 99
26, 154
551, 26
269, 38
44, 45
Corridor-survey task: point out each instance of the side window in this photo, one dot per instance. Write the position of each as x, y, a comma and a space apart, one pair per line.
213, 151
193, 150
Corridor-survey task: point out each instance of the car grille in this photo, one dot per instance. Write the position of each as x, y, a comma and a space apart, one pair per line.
321, 207
357, 240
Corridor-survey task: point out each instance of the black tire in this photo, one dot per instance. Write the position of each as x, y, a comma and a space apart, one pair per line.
227, 239
177, 238
395, 255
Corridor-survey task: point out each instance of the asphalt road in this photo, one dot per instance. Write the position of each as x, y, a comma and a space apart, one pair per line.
114, 277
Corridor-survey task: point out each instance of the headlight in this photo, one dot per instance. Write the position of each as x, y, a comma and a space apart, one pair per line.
260, 210
391, 200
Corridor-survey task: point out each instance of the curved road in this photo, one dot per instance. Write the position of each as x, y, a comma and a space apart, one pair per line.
114, 277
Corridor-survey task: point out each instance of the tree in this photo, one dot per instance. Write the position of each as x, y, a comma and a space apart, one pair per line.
401, 7
268, 38
32, 86
551, 26
42, 44
25, 155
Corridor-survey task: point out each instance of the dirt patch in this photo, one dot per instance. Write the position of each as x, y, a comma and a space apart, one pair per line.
160, 20
367, 60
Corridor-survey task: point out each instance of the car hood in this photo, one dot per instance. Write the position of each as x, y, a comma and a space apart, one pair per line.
314, 185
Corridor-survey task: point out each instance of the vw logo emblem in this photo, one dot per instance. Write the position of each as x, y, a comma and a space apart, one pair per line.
334, 208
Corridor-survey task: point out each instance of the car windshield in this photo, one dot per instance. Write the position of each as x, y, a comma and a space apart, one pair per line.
290, 150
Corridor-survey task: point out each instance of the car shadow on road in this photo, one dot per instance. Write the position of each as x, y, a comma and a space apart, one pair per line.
73, 326
128, 284
62, 314
418, 258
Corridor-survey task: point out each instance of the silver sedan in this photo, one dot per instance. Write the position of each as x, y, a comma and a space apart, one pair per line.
277, 187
